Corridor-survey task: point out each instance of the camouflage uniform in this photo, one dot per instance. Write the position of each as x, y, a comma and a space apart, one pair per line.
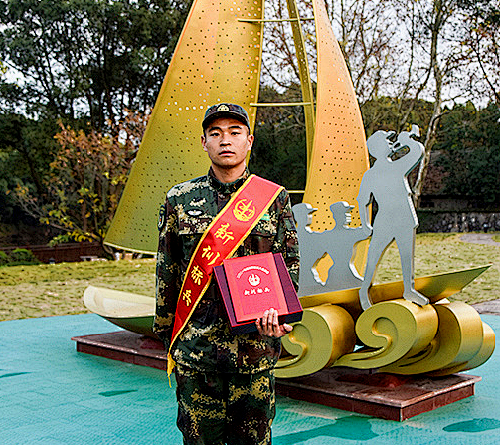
206, 347
218, 408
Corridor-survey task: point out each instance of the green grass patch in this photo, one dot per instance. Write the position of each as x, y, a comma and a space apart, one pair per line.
47, 290
445, 252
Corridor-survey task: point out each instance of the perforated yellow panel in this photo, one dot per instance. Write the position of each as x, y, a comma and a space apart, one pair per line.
217, 59
304, 76
339, 158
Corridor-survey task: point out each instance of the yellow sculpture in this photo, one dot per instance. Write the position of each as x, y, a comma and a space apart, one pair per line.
398, 335
199, 75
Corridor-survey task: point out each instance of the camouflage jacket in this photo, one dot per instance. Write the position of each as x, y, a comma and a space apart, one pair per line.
206, 343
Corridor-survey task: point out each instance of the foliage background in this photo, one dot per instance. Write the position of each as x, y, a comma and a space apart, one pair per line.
80, 67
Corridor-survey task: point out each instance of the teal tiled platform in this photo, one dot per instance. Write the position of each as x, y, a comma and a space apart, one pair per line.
51, 394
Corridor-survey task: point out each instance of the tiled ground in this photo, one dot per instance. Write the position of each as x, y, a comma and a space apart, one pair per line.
50, 394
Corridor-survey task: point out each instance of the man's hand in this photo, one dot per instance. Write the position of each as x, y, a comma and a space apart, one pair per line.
268, 325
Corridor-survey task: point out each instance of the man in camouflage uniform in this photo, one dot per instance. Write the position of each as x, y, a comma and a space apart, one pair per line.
225, 382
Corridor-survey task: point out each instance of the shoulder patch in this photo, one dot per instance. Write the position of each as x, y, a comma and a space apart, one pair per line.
161, 217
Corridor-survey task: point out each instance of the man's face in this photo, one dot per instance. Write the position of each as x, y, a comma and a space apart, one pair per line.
227, 142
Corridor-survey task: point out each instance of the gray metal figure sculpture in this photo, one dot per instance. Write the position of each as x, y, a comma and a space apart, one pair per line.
396, 219
338, 243
311, 248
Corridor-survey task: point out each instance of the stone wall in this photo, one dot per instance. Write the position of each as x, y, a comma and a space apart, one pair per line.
448, 221
69, 252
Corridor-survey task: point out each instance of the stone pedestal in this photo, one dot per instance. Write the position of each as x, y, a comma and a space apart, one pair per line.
388, 396
126, 347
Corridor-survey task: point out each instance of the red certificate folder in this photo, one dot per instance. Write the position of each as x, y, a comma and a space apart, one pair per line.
252, 284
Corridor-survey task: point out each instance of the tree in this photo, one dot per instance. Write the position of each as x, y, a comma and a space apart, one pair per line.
80, 61
468, 148
91, 58
279, 66
441, 38
480, 35
27, 147
368, 35
440, 52
85, 179
385, 113
402, 55
279, 149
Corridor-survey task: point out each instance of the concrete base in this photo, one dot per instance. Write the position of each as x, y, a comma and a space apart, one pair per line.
387, 396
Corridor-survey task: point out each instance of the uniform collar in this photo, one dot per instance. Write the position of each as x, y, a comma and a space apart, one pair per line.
227, 188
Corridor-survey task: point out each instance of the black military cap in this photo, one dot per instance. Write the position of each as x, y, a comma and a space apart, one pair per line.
225, 110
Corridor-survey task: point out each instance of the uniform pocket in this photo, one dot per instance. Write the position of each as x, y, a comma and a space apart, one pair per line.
190, 231
193, 224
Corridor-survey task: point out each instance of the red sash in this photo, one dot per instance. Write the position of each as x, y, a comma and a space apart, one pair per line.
220, 240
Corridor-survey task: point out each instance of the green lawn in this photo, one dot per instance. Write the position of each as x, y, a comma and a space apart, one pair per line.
45, 290
444, 252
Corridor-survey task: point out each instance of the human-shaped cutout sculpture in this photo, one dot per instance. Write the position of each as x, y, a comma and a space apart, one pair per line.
340, 245
386, 182
312, 250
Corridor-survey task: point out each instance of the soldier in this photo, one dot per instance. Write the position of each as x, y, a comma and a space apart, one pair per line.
225, 382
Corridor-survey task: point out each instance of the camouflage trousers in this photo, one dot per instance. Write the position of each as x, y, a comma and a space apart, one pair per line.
232, 409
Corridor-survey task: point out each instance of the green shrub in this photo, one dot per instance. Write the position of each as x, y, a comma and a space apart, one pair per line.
4, 258
21, 257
